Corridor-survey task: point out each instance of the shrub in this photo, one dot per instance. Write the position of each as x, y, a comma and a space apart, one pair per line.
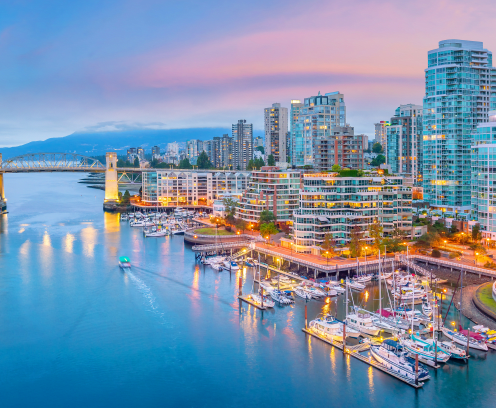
453, 255
348, 173
435, 253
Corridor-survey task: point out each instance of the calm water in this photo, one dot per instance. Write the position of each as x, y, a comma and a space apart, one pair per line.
76, 331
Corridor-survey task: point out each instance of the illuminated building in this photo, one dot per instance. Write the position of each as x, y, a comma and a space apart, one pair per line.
276, 129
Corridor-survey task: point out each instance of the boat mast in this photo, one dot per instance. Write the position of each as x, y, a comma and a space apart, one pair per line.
380, 295
346, 302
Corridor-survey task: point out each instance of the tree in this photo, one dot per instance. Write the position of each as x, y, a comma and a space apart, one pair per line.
377, 147
154, 163
435, 253
203, 161
241, 224
328, 246
267, 217
266, 230
260, 149
376, 232
271, 161
476, 233
121, 163
336, 167
185, 164
126, 197
251, 165
380, 159
136, 162
230, 206
258, 163
355, 243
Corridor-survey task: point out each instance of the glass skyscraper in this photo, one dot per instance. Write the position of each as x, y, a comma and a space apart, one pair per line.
459, 91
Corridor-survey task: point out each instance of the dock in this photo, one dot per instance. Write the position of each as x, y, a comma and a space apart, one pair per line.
251, 302
354, 351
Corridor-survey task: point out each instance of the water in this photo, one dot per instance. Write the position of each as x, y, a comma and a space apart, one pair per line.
76, 331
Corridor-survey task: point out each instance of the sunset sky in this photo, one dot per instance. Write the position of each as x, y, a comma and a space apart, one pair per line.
66, 66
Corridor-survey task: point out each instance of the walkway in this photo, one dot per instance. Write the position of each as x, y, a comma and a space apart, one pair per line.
469, 310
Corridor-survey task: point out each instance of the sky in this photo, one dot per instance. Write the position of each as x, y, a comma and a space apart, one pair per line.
69, 66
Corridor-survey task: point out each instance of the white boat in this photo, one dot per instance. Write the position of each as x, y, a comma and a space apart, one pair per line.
231, 265
267, 286
386, 275
450, 348
280, 297
333, 285
362, 322
217, 266
461, 339
178, 231
156, 233
124, 217
331, 328
267, 302
131, 215
315, 292
364, 279
427, 309
355, 285
391, 354
425, 349
298, 290
137, 223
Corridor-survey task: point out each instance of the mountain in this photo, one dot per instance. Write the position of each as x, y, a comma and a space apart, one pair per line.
98, 143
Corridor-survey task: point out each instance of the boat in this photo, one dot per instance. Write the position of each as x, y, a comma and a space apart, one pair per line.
267, 286
426, 309
124, 217
425, 349
156, 233
364, 279
391, 355
362, 321
137, 223
386, 315
299, 291
333, 285
450, 348
176, 231
330, 328
280, 297
250, 263
124, 262
267, 302
231, 265
461, 339
355, 285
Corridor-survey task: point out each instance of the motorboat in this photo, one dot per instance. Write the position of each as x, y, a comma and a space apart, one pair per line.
280, 297
356, 285
267, 301
299, 291
330, 328
450, 348
392, 355
124, 217
315, 292
426, 309
362, 321
178, 231
386, 315
407, 293
156, 233
426, 349
383, 324
137, 223
364, 279
124, 262
250, 263
232, 265
461, 339
386, 275
267, 286
333, 285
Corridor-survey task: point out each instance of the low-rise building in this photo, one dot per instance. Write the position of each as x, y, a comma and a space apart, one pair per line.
334, 205
270, 189
166, 188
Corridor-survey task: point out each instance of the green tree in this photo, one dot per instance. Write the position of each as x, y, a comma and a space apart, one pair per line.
380, 159
260, 149
355, 241
126, 197
271, 161
328, 246
250, 166
185, 164
230, 206
377, 148
259, 163
266, 230
376, 232
476, 233
267, 217
336, 167
435, 253
241, 225
203, 161
136, 162
121, 163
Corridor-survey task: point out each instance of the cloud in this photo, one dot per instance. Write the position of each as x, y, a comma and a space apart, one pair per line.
121, 126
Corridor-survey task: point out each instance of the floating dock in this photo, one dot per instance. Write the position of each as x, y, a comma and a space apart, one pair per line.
251, 302
354, 351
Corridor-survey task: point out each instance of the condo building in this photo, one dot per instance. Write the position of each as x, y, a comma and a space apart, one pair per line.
334, 205
172, 188
272, 189
193, 148
460, 89
343, 147
242, 134
315, 118
276, 129
380, 133
484, 176
404, 142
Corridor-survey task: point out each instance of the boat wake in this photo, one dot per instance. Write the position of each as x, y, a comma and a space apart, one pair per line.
149, 297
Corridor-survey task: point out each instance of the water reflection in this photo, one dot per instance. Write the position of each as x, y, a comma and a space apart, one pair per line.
46, 254
69, 242
111, 222
88, 238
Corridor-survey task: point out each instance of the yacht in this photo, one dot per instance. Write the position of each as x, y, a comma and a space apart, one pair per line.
333, 285
137, 223
356, 285
299, 291
280, 297
450, 348
176, 231
155, 232
232, 265
425, 349
267, 302
426, 309
391, 354
461, 339
362, 322
124, 217
364, 279
330, 328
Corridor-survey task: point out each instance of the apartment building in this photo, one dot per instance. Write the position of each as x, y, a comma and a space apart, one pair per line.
276, 129
242, 135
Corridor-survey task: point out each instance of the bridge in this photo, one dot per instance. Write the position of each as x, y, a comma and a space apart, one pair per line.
70, 162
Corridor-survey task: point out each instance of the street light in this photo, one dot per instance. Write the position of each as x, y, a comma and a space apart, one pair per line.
476, 255
445, 245
327, 258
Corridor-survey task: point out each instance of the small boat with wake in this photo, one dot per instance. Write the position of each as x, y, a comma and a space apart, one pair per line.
124, 262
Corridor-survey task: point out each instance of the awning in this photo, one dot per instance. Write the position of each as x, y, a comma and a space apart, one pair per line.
322, 218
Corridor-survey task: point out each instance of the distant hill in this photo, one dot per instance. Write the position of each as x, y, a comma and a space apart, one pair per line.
98, 143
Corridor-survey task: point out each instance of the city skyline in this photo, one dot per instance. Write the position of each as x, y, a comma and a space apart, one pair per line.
85, 71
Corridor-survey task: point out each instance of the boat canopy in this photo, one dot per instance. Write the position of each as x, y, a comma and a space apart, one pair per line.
475, 336
124, 259
385, 313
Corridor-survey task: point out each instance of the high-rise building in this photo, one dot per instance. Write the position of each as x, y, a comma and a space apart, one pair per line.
459, 92
276, 129
193, 148
316, 118
131, 154
141, 153
258, 141
173, 149
242, 134
155, 152
343, 147
380, 133
404, 142
295, 149
226, 152
483, 176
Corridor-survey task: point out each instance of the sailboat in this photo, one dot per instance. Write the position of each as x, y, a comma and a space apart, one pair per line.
426, 349
330, 328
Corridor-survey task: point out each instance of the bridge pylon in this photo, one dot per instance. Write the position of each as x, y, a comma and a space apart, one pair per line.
111, 185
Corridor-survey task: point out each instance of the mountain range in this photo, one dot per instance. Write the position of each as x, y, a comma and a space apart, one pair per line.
98, 143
